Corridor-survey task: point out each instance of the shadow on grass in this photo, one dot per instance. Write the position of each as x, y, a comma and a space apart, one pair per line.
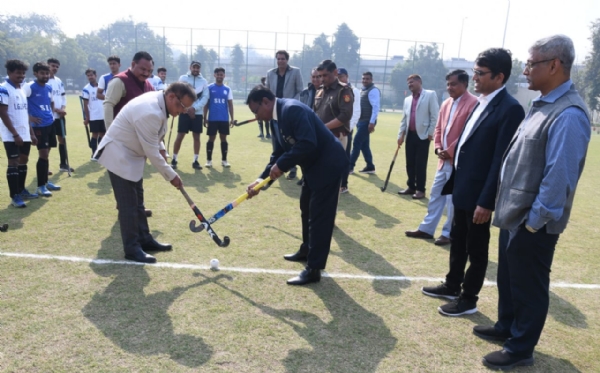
369, 261
15, 217
354, 340
355, 209
138, 322
86, 168
102, 185
566, 313
546, 363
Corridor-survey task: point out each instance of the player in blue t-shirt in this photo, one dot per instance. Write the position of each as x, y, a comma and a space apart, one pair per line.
40, 107
220, 116
114, 64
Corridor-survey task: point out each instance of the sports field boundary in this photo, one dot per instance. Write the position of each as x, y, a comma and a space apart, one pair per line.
97, 261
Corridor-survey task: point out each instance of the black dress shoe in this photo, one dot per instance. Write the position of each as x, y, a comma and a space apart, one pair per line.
298, 256
503, 360
292, 175
156, 246
307, 276
406, 192
148, 212
489, 333
140, 256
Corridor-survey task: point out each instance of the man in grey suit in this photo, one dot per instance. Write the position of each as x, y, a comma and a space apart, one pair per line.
416, 128
285, 81
134, 136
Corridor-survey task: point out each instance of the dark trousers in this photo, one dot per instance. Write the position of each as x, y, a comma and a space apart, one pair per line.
348, 150
523, 287
318, 208
362, 144
132, 215
470, 242
417, 153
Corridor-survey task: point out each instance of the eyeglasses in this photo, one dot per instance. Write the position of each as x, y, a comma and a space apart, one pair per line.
182, 105
531, 64
480, 73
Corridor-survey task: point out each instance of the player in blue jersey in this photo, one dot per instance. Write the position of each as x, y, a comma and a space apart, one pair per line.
220, 116
40, 107
17, 135
114, 64
93, 110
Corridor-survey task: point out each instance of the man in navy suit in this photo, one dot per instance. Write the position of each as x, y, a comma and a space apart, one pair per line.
300, 138
474, 181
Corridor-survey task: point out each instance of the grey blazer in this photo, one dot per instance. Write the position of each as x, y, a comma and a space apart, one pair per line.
426, 116
293, 82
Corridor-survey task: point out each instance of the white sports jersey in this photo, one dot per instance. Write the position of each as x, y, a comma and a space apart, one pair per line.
58, 94
103, 81
16, 100
94, 103
156, 82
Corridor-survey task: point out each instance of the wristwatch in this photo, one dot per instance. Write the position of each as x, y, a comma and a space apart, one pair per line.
530, 229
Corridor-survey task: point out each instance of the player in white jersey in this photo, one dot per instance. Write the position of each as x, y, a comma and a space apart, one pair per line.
114, 64
156, 82
93, 110
17, 135
60, 104
162, 74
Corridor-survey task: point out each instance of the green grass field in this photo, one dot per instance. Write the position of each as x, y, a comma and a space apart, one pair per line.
60, 312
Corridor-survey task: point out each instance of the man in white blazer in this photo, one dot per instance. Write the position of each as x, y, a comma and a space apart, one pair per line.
134, 136
417, 128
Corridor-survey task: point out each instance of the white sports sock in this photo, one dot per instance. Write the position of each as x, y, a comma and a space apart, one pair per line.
174, 156
195, 157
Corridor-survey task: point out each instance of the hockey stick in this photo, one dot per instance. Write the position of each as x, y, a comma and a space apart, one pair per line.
170, 132
237, 124
87, 130
204, 224
390, 171
235, 203
64, 132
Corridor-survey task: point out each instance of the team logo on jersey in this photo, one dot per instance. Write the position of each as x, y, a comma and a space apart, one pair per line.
225, 91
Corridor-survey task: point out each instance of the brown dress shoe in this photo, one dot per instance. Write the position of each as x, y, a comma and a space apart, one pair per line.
418, 195
418, 234
442, 240
406, 192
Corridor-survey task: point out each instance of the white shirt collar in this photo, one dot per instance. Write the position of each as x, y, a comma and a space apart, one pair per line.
487, 98
275, 109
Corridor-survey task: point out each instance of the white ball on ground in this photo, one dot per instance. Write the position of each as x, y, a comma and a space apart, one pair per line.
214, 264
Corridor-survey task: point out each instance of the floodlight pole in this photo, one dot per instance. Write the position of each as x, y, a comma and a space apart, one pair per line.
506, 23
461, 34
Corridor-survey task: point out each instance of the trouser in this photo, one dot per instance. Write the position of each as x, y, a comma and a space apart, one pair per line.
417, 153
470, 242
318, 208
362, 144
523, 286
437, 202
132, 214
348, 150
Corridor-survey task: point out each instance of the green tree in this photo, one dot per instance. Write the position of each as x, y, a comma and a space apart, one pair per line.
345, 47
208, 59
8, 50
312, 55
237, 63
424, 61
512, 85
30, 26
592, 64
73, 61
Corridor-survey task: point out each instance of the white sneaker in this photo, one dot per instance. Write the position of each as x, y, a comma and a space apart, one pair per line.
208, 164
225, 164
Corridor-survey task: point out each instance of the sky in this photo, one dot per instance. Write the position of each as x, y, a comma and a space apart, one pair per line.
482, 23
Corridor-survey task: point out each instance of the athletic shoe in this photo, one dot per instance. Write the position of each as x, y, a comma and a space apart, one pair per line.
504, 360
25, 194
268, 136
440, 291
65, 168
43, 191
52, 186
17, 201
367, 170
260, 136
196, 165
225, 164
343, 190
174, 164
93, 159
458, 307
208, 164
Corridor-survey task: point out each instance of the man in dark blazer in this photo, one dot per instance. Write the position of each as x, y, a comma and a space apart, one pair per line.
300, 138
474, 181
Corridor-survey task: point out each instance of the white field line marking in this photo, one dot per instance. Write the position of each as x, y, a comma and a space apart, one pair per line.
266, 271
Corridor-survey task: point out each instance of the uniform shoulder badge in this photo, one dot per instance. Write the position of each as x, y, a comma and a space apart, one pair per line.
346, 98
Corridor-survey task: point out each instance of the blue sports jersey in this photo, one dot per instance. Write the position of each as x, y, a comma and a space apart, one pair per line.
218, 110
39, 100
